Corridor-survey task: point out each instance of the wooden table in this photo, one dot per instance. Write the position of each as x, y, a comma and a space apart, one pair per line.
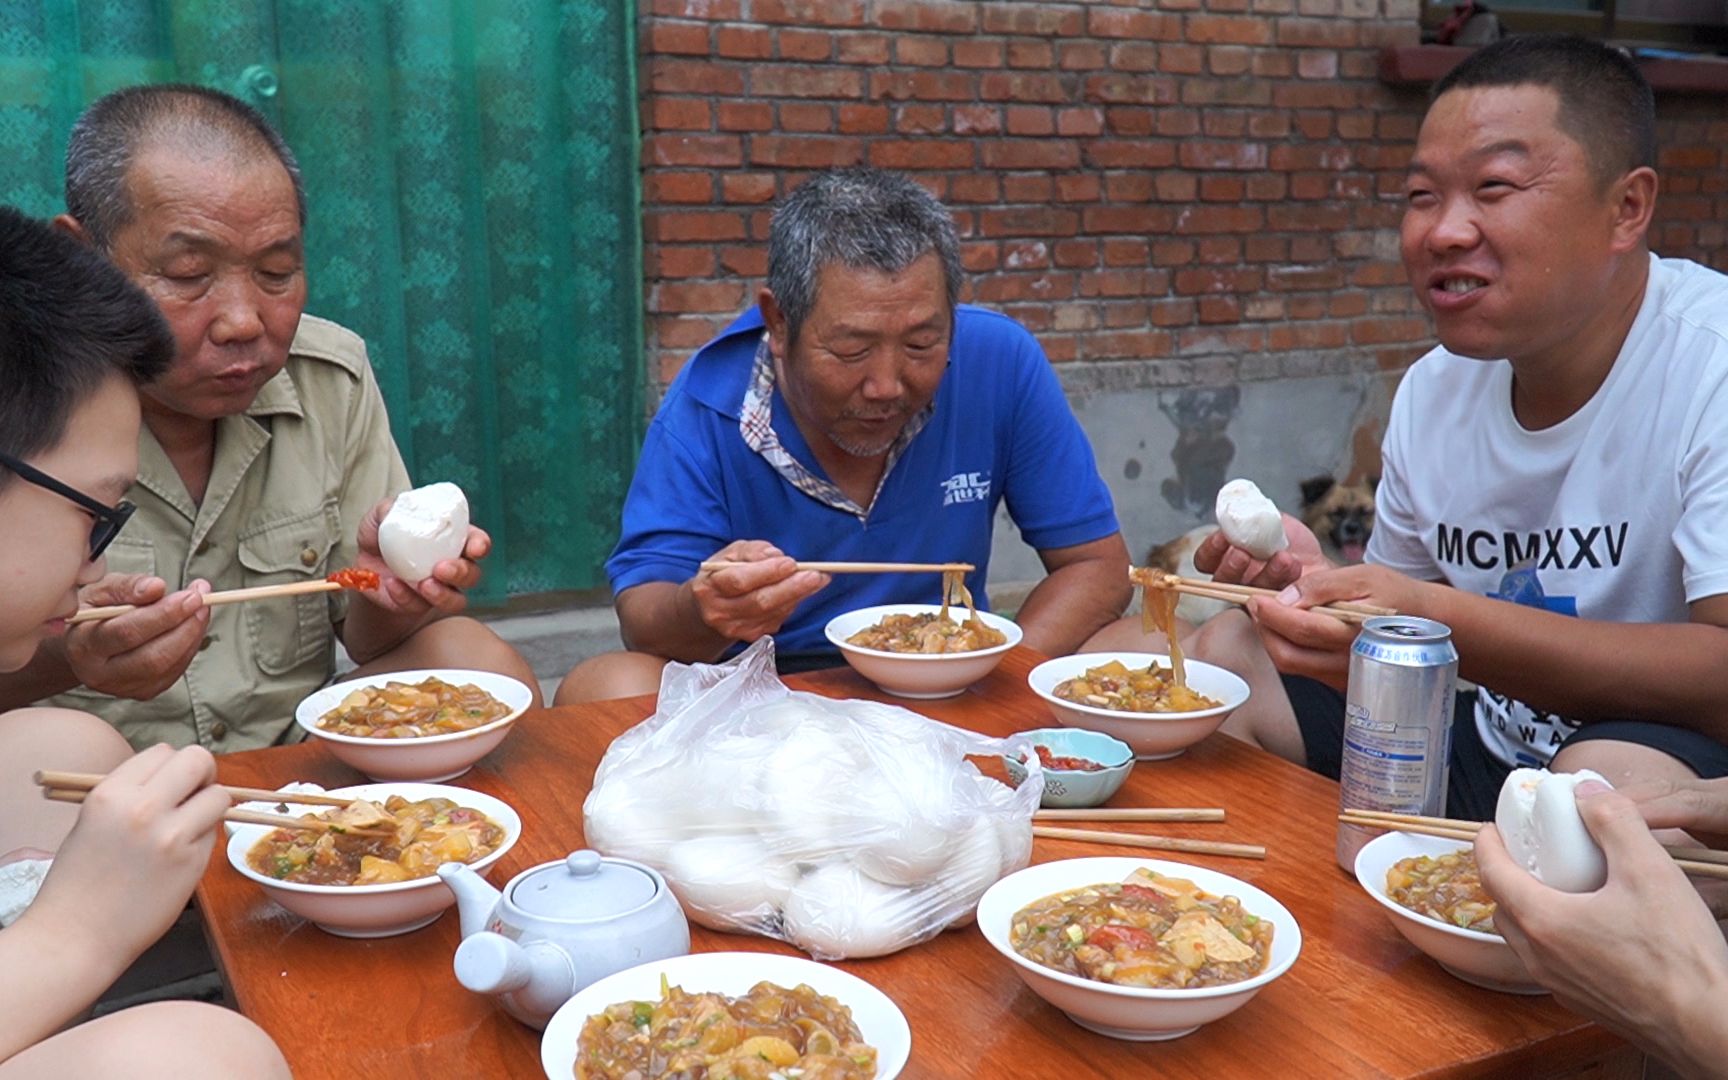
1359, 1002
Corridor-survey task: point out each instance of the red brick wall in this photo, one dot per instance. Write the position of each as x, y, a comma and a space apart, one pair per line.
1209, 183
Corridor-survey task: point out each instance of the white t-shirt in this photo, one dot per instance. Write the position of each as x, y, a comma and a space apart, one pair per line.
1617, 513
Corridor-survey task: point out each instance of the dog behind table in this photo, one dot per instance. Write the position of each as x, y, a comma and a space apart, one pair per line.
1340, 515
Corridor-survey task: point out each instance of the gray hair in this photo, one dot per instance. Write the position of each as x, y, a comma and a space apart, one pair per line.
862, 218
109, 134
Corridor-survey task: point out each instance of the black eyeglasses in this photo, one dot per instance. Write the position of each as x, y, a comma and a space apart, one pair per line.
109, 519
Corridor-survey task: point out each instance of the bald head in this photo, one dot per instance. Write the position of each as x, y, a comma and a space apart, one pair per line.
192, 121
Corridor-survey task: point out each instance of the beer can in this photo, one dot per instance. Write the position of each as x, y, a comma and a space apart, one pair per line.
1397, 723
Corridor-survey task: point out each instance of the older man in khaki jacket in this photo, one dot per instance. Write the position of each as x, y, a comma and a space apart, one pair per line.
265, 457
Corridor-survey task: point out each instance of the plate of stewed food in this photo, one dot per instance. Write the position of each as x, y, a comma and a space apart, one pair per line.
1431, 888
369, 868
728, 1016
426, 725
1159, 704
1139, 949
924, 651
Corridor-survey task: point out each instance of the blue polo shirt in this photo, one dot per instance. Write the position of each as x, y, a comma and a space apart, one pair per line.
1001, 429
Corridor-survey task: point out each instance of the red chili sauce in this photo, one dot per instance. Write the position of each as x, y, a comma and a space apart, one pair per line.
355, 578
1073, 764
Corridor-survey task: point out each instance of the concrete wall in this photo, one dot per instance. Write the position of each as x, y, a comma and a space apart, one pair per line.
1164, 450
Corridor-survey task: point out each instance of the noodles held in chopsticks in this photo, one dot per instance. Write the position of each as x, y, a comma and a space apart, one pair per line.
1158, 612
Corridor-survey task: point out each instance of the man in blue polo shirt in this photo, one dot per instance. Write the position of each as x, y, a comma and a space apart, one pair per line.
857, 412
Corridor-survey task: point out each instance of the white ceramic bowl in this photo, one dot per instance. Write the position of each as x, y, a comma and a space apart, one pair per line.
1126, 1012
919, 675
1152, 735
430, 758
1480, 959
880, 1021
369, 911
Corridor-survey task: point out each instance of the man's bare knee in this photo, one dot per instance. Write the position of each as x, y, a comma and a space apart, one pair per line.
611, 675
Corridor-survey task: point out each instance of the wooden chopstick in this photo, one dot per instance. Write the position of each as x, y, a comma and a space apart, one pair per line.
1161, 814
229, 596
1696, 854
860, 567
1344, 611
1700, 854
236, 815
1157, 843
1715, 865
76, 781
1408, 826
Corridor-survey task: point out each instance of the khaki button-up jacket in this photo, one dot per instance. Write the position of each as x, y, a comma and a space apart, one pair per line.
293, 475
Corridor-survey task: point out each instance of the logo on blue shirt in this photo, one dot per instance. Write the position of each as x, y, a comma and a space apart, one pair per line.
966, 487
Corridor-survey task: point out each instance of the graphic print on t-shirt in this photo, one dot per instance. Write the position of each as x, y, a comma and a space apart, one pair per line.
1570, 547
1522, 585
1513, 726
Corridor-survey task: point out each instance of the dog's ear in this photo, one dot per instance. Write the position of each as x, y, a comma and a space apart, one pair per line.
1373, 484
1315, 489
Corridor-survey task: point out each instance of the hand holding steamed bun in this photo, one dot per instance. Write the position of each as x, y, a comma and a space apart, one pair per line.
1249, 520
424, 549
1642, 955
1538, 819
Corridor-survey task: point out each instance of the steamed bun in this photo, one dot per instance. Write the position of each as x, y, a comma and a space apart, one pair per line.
1249, 520
836, 911
729, 882
424, 527
1537, 817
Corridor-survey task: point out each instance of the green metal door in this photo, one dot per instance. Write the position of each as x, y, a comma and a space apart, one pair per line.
471, 175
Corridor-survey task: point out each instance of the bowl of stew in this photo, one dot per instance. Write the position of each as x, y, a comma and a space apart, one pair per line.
1138, 949
427, 725
779, 998
910, 651
1430, 888
1081, 768
375, 878
1131, 696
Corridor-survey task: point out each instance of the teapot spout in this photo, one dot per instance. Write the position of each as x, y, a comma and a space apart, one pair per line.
475, 899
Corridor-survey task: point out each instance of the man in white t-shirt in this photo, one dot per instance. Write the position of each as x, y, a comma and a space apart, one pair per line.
1555, 484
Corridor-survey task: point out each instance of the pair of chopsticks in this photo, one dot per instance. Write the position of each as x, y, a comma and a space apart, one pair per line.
1155, 843
72, 787
1344, 611
860, 567
1698, 862
230, 596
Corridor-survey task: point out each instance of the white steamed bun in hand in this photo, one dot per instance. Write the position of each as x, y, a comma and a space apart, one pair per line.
1249, 520
424, 527
1537, 817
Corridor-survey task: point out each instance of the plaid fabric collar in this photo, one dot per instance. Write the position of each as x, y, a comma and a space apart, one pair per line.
756, 424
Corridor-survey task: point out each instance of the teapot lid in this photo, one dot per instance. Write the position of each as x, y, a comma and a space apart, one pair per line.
584, 886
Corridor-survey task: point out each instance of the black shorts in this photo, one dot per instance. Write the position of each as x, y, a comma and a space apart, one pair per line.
1477, 775
799, 663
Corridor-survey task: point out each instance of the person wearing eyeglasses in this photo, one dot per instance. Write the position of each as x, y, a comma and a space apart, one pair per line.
84, 890
265, 457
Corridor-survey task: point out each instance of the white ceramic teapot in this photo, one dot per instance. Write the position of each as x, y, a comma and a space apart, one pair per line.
559, 926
